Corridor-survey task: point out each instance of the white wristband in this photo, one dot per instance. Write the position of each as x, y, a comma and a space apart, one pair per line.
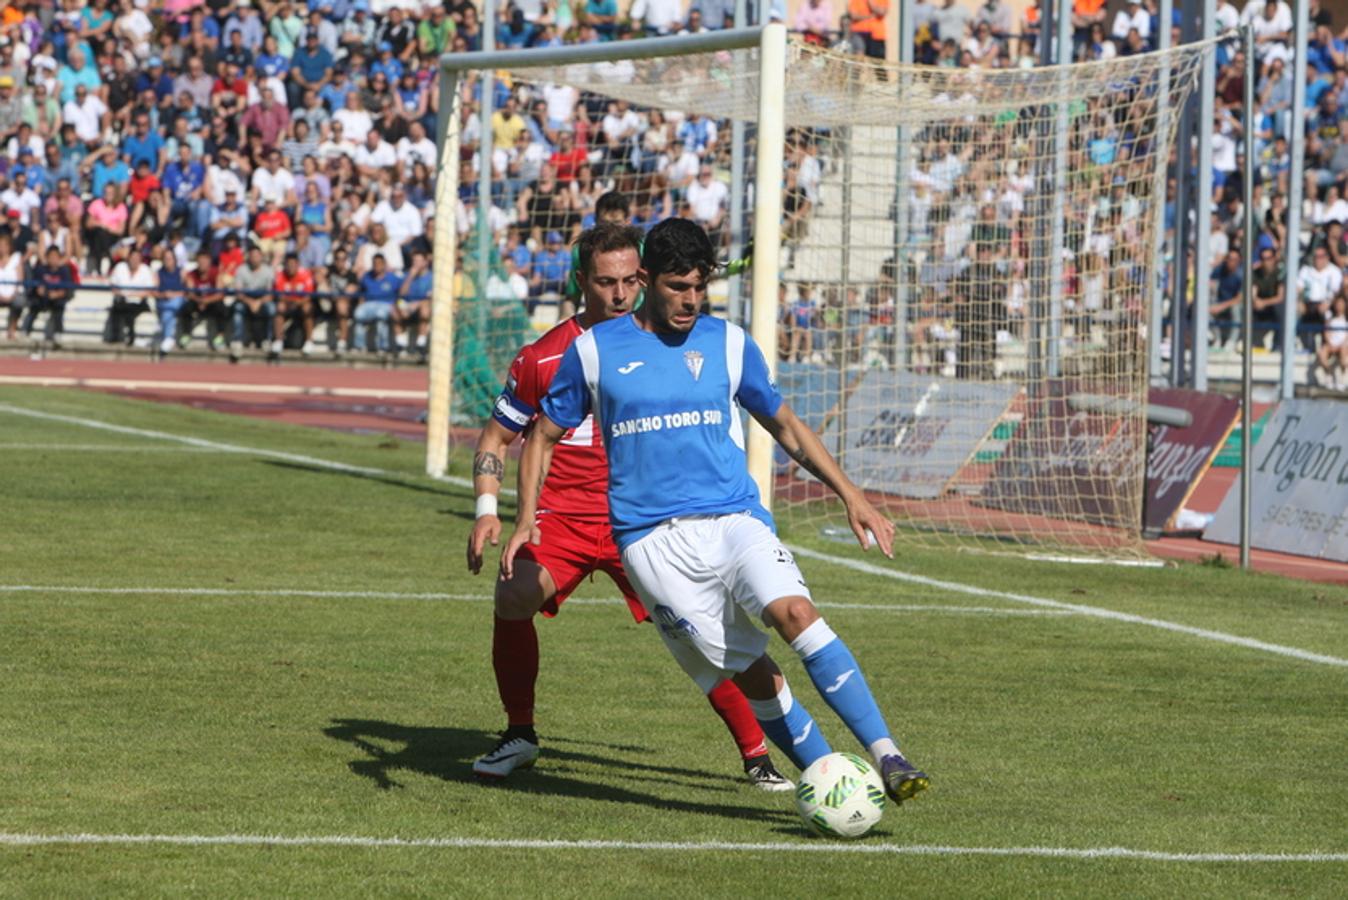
486, 505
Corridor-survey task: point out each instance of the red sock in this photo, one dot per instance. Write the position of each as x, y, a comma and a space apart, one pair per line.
514, 656
733, 708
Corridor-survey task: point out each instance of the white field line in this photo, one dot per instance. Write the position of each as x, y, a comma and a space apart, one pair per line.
480, 598
855, 565
202, 443
452, 843
1098, 561
213, 387
1081, 609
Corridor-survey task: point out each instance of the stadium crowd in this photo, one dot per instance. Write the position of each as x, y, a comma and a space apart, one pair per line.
257, 166
968, 258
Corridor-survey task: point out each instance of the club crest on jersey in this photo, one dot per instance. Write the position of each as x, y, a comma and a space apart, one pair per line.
693, 360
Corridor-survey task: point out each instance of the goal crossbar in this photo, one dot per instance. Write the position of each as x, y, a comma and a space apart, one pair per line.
610, 51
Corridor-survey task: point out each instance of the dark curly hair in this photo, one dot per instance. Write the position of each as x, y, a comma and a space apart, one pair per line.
678, 246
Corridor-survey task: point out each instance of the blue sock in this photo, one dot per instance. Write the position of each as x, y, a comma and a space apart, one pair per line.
838, 679
791, 727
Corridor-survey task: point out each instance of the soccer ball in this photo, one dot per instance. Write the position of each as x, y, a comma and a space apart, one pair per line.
840, 795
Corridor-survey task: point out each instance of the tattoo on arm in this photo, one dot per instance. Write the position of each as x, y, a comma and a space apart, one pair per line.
801, 457
488, 464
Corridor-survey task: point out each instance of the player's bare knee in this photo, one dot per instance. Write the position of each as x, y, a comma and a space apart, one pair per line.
789, 616
762, 680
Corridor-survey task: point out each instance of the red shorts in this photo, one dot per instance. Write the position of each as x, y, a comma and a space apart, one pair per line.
571, 550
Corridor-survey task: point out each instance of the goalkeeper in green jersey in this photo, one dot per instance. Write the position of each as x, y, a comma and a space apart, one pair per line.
613, 208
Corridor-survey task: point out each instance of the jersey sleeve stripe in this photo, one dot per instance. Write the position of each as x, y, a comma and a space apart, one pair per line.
734, 362
588, 351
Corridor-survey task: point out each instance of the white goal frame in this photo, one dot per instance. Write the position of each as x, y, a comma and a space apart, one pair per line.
771, 144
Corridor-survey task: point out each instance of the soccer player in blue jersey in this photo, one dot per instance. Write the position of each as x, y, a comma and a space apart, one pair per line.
666, 384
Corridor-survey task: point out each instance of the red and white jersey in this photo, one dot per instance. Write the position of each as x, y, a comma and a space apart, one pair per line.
577, 482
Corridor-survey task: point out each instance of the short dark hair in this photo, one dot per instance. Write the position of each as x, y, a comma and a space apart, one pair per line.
678, 246
606, 238
613, 201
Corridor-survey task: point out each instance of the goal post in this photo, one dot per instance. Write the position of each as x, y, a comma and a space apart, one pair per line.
444, 241
771, 148
770, 40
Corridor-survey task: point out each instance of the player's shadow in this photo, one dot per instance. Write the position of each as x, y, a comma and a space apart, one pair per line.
448, 754
390, 479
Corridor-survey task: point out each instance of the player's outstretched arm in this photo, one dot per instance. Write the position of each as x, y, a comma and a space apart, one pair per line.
534, 464
803, 445
488, 473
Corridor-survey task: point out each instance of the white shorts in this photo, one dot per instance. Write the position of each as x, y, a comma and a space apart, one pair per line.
705, 580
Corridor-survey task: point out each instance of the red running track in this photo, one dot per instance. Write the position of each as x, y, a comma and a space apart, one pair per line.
362, 401
391, 401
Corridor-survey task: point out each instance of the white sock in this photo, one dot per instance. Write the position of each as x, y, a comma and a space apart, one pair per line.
882, 748
813, 639
776, 708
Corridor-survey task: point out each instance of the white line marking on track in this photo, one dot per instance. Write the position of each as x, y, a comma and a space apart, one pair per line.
453, 843
856, 565
1081, 609
477, 598
214, 387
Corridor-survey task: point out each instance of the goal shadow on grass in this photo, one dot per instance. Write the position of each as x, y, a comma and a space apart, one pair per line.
448, 754
392, 480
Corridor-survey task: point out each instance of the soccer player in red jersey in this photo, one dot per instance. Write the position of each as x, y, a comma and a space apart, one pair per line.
573, 519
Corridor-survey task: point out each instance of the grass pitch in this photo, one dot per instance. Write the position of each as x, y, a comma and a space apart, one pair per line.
211, 647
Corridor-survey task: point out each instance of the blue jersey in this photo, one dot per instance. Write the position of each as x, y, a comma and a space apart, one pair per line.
419, 287
666, 406
377, 289
143, 149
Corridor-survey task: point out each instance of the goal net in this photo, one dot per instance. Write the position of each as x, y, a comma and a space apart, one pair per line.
968, 263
